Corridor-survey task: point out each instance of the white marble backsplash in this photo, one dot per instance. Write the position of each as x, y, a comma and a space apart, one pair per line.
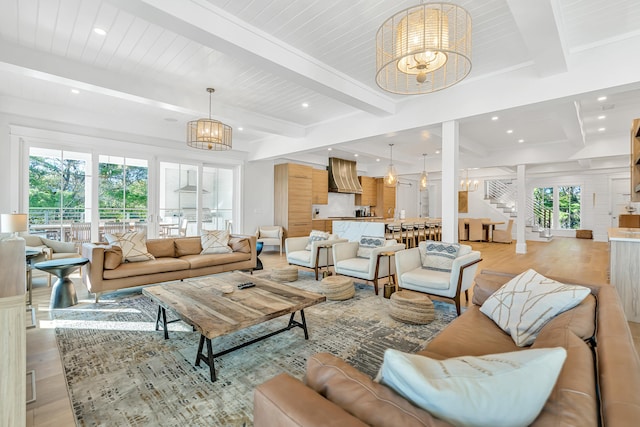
353, 230
340, 204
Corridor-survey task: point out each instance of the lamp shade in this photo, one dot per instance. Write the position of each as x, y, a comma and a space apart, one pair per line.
14, 223
423, 49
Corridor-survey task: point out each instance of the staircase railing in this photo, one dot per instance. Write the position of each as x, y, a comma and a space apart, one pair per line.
502, 191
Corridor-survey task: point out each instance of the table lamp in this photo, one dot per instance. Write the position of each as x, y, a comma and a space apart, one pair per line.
13, 223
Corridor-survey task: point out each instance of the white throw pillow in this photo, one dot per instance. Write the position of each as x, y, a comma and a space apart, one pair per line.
133, 245
316, 236
523, 305
439, 256
368, 244
215, 242
508, 389
269, 233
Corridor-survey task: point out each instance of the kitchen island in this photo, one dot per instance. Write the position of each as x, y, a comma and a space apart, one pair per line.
624, 268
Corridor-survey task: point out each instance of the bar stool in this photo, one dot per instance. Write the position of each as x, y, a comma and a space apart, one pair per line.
394, 232
408, 237
421, 232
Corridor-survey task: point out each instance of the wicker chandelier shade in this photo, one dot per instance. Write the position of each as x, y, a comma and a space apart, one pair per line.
423, 49
209, 134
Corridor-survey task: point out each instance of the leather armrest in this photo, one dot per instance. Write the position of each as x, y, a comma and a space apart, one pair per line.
284, 401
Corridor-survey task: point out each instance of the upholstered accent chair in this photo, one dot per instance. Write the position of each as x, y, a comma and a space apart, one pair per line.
503, 236
448, 280
348, 263
50, 249
270, 235
309, 253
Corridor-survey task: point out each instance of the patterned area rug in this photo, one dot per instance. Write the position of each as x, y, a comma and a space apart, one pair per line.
121, 372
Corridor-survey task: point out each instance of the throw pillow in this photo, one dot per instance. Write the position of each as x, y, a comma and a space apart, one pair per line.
367, 244
507, 389
112, 257
439, 256
240, 244
269, 233
316, 236
215, 242
133, 245
523, 305
187, 246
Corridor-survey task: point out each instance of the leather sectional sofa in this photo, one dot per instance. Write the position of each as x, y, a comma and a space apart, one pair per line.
599, 383
175, 258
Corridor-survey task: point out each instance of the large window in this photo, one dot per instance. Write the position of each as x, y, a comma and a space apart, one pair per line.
58, 183
569, 207
559, 208
543, 206
122, 189
217, 197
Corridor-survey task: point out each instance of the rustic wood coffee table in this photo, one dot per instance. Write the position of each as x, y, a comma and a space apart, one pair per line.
202, 304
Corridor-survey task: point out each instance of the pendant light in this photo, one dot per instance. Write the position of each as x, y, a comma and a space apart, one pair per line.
423, 176
391, 177
209, 134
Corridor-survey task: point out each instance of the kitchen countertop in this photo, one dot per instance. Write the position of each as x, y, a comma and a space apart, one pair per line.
348, 218
624, 234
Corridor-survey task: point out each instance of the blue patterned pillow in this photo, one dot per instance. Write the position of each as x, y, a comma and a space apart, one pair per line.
368, 244
316, 236
439, 256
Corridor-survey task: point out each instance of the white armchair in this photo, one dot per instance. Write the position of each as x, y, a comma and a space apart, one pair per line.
316, 257
270, 235
451, 284
347, 263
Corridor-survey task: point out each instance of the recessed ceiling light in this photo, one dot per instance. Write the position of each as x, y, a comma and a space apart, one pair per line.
240, 129
494, 118
437, 151
510, 131
520, 141
100, 31
377, 160
601, 129
602, 117
170, 119
355, 155
602, 98
75, 91
305, 105
329, 148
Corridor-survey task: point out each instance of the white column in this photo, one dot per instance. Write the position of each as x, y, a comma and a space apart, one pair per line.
521, 243
449, 181
5, 164
95, 190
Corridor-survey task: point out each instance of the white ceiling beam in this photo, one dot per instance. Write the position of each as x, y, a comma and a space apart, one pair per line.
55, 69
210, 26
539, 23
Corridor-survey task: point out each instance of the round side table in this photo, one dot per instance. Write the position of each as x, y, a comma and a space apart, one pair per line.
63, 294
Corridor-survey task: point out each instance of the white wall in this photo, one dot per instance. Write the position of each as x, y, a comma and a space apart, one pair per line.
257, 196
5, 166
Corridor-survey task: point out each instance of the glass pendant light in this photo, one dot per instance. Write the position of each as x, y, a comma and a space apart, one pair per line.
391, 178
424, 177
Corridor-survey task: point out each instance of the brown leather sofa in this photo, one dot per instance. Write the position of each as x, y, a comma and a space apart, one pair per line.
598, 385
175, 258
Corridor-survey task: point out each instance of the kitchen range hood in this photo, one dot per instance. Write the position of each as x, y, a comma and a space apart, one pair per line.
343, 177
189, 188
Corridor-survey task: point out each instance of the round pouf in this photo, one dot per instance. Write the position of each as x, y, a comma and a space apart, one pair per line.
411, 307
337, 288
285, 274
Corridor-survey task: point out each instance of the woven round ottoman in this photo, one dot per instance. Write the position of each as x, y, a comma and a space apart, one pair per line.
285, 274
337, 288
411, 307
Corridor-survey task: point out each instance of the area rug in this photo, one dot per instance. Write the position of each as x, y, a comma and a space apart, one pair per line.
121, 372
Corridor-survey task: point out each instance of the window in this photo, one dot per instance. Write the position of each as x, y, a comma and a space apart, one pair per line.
217, 197
542, 206
58, 182
569, 207
122, 189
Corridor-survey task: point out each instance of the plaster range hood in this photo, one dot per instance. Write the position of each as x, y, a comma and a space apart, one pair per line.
343, 176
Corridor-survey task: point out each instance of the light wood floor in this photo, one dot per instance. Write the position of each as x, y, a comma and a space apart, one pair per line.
577, 259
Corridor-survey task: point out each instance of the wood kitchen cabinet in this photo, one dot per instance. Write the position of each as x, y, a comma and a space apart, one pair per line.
322, 225
629, 221
385, 199
320, 187
292, 198
369, 192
